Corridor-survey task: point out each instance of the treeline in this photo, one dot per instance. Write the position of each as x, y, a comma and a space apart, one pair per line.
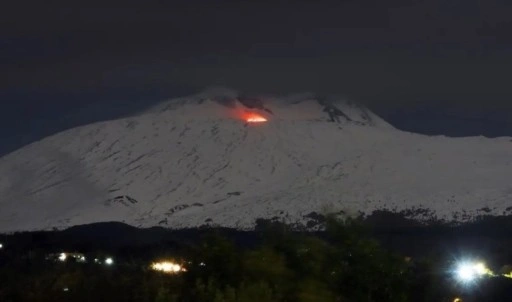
344, 264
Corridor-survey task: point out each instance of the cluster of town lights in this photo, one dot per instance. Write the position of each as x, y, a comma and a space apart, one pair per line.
76, 256
167, 267
63, 257
465, 272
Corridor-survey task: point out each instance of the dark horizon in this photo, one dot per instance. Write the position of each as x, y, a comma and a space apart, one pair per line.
427, 66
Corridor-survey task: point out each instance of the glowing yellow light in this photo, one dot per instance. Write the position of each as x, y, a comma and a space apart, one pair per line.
457, 300
481, 269
509, 275
167, 267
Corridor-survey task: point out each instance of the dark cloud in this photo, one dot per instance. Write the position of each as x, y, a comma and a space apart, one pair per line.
345, 46
393, 54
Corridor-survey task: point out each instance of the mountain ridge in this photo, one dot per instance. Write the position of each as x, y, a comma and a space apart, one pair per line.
196, 161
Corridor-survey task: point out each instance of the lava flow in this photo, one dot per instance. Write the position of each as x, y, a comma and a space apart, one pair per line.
255, 118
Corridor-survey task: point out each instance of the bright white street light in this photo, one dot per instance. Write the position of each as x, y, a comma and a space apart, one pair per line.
109, 261
467, 272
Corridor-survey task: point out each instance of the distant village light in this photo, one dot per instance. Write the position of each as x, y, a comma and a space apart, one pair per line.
67, 256
109, 261
167, 267
63, 257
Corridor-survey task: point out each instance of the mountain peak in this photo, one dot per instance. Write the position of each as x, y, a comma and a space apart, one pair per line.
196, 160
231, 105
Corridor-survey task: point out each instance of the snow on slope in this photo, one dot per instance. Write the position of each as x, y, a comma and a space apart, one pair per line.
195, 161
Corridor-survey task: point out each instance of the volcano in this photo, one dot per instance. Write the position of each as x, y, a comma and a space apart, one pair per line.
194, 161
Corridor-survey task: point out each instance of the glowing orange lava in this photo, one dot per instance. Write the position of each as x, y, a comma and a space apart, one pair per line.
255, 118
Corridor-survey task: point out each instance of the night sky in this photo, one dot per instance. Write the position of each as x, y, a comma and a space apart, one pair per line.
430, 66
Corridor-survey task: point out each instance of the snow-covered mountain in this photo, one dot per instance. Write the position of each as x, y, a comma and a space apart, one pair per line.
196, 161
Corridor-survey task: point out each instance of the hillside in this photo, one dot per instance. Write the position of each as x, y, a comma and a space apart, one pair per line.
196, 161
